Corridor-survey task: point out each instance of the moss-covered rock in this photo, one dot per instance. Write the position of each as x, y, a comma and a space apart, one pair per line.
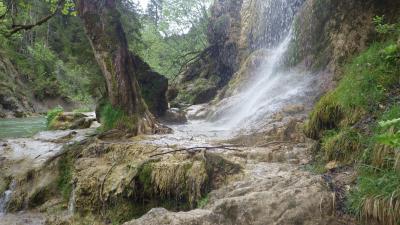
65, 121
123, 176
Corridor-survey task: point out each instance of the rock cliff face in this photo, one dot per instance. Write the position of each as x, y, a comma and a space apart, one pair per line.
325, 34
13, 101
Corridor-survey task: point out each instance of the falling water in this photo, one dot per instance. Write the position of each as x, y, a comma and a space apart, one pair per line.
71, 202
6, 197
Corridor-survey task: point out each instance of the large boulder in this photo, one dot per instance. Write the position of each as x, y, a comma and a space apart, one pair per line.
153, 85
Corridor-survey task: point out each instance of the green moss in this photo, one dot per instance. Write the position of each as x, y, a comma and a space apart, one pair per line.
65, 176
203, 202
326, 115
145, 179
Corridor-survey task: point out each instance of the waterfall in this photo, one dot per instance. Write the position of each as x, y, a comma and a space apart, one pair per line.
6, 197
273, 86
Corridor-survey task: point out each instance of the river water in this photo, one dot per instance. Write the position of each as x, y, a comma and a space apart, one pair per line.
21, 127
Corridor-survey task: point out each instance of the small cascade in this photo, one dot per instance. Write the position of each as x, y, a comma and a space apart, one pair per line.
71, 202
6, 197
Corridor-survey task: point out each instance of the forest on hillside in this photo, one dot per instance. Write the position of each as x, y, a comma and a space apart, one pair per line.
202, 112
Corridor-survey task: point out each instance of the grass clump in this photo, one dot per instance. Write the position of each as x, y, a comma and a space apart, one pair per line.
115, 118
326, 115
52, 114
377, 196
341, 146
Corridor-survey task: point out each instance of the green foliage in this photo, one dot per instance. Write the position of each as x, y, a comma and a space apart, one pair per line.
172, 35
52, 114
385, 28
338, 121
54, 59
41, 70
203, 202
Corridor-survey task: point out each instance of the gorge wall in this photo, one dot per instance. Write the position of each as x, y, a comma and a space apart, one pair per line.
13, 100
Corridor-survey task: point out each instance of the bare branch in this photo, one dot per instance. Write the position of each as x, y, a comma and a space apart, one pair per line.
18, 27
198, 149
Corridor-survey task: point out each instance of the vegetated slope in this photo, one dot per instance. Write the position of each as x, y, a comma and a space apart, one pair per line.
357, 124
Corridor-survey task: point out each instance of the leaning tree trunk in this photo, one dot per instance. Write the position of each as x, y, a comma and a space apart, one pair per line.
103, 27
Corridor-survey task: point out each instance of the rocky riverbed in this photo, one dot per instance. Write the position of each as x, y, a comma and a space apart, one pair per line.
188, 177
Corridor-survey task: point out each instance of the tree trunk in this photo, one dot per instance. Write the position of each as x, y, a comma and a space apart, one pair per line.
103, 27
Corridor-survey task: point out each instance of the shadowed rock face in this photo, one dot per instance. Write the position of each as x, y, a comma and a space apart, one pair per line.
153, 86
13, 101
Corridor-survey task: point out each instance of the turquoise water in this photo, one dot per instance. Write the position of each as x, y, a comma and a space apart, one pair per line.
21, 127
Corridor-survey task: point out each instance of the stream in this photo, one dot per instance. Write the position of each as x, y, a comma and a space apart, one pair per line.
21, 127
